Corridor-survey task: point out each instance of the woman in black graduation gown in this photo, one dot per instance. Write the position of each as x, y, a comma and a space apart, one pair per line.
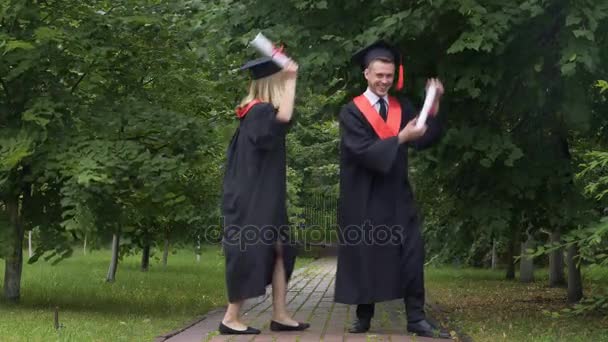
254, 198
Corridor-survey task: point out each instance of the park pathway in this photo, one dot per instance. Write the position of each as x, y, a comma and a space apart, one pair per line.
310, 299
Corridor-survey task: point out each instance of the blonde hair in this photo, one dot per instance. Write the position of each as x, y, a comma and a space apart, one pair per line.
267, 89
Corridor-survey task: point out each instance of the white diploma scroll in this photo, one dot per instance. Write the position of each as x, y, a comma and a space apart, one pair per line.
428, 104
267, 48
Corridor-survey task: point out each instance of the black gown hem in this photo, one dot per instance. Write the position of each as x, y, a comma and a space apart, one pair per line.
367, 300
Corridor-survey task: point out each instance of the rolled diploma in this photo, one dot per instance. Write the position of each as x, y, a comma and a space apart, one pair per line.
265, 47
428, 103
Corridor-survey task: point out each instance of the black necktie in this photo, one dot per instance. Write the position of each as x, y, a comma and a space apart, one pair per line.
382, 109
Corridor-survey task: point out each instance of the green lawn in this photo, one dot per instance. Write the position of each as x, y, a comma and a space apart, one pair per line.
140, 306
137, 307
488, 308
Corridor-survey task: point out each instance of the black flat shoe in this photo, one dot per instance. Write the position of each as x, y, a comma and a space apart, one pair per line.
425, 329
224, 330
360, 326
276, 326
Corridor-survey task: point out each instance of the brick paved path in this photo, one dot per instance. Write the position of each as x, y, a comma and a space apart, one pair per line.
310, 299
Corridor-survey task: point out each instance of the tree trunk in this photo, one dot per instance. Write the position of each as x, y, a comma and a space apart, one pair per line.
526, 263
145, 257
511, 257
494, 255
575, 282
29, 244
166, 251
84, 246
114, 262
14, 259
556, 263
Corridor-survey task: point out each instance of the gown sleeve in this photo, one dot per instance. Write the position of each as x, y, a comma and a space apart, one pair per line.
363, 145
262, 128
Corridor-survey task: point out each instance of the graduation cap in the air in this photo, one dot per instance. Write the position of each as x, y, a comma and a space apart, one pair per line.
261, 67
380, 50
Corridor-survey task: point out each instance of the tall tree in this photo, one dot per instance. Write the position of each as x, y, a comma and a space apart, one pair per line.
103, 116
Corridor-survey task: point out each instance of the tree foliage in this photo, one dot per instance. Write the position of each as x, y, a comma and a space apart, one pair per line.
114, 116
109, 114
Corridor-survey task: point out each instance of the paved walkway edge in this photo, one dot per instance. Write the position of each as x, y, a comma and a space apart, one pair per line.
167, 336
164, 337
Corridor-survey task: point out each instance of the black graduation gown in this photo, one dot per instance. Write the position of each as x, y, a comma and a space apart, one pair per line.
380, 242
254, 203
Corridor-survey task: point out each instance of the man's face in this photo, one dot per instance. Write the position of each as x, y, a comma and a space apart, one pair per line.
379, 76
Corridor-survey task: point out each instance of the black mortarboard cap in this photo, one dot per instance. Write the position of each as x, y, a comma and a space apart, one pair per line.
376, 50
261, 67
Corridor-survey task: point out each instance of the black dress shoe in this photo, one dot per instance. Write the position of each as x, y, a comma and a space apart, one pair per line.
360, 326
224, 330
425, 329
276, 326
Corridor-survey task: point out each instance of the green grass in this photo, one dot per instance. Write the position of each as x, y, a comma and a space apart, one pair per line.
488, 308
140, 306
137, 307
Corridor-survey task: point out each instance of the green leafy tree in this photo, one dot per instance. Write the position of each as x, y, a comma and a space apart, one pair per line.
105, 117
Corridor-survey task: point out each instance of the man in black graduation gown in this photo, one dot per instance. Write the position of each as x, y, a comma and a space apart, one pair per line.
381, 252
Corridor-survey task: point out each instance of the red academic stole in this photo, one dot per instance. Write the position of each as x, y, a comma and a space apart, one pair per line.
383, 129
242, 111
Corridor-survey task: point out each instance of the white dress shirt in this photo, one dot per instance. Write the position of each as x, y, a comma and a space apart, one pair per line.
374, 100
